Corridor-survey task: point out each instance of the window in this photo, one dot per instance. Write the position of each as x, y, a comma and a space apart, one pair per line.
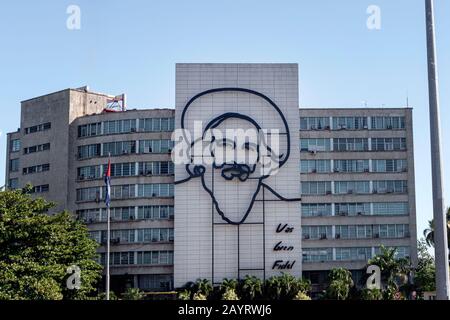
349, 187
390, 186
389, 165
89, 151
36, 169
119, 126
89, 173
314, 145
88, 194
349, 123
353, 254
40, 127
90, 215
384, 123
315, 166
15, 145
317, 254
40, 189
316, 187
121, 169
347, 232
90, 130
157, 124
155, 235
316, 232
37, 148
390, 208
156, 168
155, 257
119, 258
388, 144
350, 144
155, 146
155, 190
352, 209
351, 165
14, 165
13, 183
314, 123
155, 282
316, 209
155, 212
126, 191
119, 148
400, 252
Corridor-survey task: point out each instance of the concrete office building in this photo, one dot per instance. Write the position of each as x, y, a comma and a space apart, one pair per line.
354, 169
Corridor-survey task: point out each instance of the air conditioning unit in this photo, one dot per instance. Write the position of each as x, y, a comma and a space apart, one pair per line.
327, 128
350, 191
338, 236
133, 129
328, 192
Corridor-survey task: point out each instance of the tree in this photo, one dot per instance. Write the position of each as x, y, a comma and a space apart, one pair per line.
394, 272
429, 232
285, 287
133, 294
424, 277
36, 249
251, 288
340, 283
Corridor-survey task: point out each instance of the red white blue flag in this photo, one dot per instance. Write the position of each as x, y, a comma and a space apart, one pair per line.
108, 184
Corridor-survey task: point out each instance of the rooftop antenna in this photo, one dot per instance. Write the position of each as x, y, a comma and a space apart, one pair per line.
407, 99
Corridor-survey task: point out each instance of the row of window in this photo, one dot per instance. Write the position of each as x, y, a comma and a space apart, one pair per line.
36, 169
37, 148
352, 144
355, 209
124, 147
135, 235
357, 187
352, 123
126, 191
347, 254
328, 166
39, 127
126, 126
40, 189
155, 282
140, 258
151, 212
127, 170
350, 232
14, 184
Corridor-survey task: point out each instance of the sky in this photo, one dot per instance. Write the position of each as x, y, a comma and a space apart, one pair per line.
132, 47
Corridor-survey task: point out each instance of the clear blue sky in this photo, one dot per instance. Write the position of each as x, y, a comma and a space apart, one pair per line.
132, 46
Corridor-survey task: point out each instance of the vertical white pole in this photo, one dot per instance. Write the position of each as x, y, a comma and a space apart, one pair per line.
108, 236
107, 250
440, 220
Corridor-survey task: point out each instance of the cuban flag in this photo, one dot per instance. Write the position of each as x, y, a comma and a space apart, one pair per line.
108, 184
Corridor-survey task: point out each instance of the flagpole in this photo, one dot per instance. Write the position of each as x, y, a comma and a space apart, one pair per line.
440, 220
108, 231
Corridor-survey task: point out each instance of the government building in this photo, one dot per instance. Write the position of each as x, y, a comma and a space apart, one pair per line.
334, 186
